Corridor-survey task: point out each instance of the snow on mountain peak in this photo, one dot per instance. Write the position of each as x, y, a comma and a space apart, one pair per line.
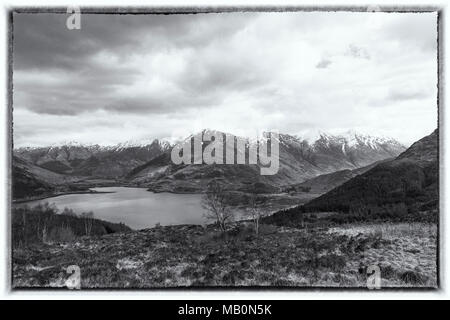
345, 140
349, 139
163, 144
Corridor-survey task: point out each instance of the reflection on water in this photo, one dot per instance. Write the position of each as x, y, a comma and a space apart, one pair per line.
135, 207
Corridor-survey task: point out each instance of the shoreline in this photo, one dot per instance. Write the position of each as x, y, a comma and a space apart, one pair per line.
18, 201
239, 208
172, 192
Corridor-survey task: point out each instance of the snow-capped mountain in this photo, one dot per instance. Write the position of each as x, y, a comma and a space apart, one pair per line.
354, 139
299, 160
93, 160
410, 180
330, 153
148, 163
348, 140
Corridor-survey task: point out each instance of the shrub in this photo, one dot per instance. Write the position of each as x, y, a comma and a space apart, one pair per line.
68, 212
332, 261
216, 203
61, 234
412, 277
388, 272
41, 223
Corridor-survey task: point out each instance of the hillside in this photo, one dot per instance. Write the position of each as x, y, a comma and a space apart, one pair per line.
26, 184
150, 165
195, 256
30, 181
92, 161
403, 188
44, 223
299, 160
326, 182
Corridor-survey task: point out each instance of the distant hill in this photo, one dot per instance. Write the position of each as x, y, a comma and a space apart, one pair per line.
326, 182
299, 160
93, 160
394, 189
149, 164
27, 182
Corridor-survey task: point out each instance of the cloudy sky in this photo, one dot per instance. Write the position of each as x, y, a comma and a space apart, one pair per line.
139, 77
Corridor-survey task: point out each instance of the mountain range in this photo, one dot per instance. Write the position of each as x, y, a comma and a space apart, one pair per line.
299, 160
31, 180
406, 186
149, 165
109, 162
326, 182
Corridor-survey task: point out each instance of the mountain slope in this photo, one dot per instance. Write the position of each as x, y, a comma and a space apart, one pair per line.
397, 189
150, 165
29, 180
299, 160
92, 161
326, 182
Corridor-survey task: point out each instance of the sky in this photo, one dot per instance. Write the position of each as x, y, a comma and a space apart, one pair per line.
139, 77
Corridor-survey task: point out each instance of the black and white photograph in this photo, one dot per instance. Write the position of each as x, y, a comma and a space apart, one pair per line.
227, 149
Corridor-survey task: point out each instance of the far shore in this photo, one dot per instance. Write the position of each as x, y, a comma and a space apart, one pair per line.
173, 192
54, 195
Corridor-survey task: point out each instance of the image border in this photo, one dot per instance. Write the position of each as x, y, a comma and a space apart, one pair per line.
168, 10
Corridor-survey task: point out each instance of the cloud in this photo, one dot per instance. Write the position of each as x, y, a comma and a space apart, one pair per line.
102, 65
404, 95
168, 75
357, 52
323, 64
43, 41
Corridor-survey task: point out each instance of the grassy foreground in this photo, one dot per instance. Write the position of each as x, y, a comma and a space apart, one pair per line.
189, 255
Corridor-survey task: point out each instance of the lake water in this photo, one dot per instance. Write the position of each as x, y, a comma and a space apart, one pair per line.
136, 207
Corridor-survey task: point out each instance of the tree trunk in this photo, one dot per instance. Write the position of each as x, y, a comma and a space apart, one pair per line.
44, 234
24, 229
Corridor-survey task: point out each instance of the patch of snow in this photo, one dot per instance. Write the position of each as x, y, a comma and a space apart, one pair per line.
127, 263
37, 268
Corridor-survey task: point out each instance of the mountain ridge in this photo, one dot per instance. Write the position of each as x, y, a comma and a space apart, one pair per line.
299, 161
91, 160
150, 165
403, 188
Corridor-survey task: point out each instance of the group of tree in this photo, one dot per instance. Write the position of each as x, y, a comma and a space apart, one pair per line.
217, 204
44, 223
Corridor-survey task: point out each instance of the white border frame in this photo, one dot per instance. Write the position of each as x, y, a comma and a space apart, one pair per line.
5, 290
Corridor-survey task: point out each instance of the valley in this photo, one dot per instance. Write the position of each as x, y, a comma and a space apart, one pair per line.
45, 171
324, 230
191, 256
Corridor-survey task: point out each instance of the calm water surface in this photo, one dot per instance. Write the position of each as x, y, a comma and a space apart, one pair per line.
136, 207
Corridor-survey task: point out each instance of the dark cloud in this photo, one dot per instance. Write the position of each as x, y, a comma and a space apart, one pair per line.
160, 103
323, 64
88, 80
165, 75
403, 95
214, 73
69, 92
43, 41
413, 30
357, 52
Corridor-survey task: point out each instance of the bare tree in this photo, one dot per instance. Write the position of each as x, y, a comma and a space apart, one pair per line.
215, 202
88, 218
68, 212
256, 208
24, 225
45, 214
